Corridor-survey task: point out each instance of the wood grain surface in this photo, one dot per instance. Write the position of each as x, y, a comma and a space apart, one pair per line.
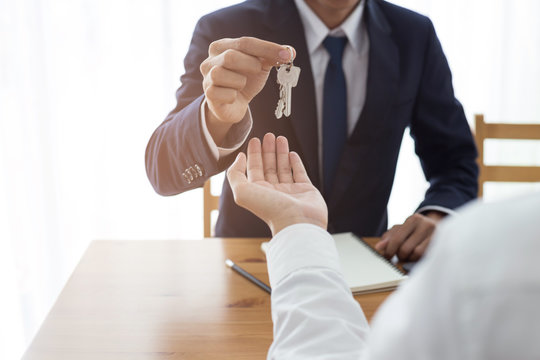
164, 300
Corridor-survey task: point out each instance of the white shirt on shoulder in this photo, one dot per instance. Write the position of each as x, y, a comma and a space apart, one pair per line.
475, 294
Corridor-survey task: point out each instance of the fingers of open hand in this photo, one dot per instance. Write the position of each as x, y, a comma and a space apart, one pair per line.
270, 53
255, 168
273, 162
283, 164
269, 158
299, 171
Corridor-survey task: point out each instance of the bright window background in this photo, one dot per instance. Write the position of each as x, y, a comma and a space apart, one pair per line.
84, 83
493, 48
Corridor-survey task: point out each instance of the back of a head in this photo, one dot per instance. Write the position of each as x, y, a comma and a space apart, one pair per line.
492, 254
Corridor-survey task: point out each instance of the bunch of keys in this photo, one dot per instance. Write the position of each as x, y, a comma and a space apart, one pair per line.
287, 78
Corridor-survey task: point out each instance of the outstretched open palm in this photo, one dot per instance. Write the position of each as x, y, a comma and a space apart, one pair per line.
276, 187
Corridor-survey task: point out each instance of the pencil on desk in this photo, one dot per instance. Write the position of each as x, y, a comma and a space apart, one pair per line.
248, 276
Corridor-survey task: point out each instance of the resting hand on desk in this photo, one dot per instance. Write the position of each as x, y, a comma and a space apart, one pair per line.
409, 240
276, 188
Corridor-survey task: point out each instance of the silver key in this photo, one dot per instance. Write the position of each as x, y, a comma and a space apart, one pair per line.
287, 78
281, 103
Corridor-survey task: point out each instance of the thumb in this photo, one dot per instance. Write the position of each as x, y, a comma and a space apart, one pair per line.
237, 171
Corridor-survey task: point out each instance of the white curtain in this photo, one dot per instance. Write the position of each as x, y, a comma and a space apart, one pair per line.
84, 83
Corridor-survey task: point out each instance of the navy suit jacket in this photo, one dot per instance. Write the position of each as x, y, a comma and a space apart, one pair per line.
409, 84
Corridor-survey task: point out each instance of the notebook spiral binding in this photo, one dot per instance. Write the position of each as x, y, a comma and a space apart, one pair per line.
373, 251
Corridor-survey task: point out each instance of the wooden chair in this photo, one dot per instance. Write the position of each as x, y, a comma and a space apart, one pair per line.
504, 131
211, 203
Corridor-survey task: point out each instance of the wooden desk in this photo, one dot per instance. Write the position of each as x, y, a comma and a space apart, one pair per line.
163, 300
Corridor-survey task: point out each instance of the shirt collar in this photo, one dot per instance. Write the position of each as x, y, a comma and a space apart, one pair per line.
316, 31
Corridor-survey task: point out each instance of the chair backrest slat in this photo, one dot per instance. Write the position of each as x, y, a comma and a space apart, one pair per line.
489, 173
211, 203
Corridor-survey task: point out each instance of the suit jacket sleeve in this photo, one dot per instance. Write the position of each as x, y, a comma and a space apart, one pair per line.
442, 135
178, 146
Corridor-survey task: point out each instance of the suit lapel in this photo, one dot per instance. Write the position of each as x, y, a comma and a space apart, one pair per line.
381, 91
285, 27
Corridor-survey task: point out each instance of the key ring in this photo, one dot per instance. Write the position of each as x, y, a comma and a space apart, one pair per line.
290, 63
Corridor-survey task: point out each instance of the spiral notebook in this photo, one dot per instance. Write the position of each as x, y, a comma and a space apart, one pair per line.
363, 268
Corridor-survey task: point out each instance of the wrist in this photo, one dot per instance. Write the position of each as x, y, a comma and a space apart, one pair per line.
434, 215
217, 128
279, 224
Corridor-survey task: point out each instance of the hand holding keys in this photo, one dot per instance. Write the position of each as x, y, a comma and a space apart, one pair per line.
287, 78
235, 71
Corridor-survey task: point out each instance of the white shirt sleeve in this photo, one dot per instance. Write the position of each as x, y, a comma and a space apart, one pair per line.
316, 317
237, 138
442, 209
314, 313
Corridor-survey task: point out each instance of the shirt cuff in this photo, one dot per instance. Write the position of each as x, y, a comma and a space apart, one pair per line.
298, 247
442, 209
237, 137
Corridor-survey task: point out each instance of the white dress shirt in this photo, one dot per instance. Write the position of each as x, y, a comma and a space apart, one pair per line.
475, 294
355, 60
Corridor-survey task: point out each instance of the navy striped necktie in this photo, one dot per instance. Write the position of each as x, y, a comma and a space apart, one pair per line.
334, 129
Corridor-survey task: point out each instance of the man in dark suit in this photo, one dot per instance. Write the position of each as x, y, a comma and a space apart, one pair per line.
387, 71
